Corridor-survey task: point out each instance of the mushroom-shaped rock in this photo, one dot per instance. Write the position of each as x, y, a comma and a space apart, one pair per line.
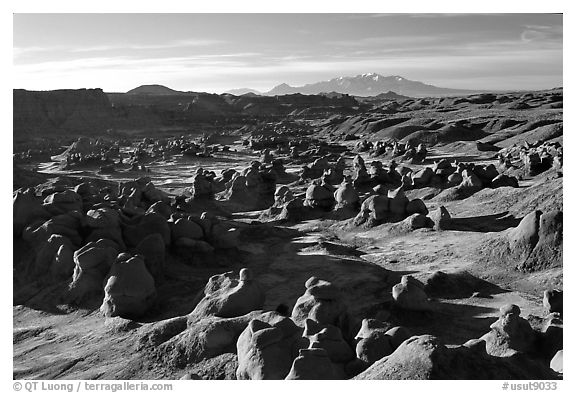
92, 264
454, 179
509, 334
330, 338
441, 218
470, 181
202, 186
129, 290
237, 190
228, 296
409, 294
375, 207
422, 177
361, 176
322, 302
292, 211
318, 196
373, 342
265, 350
282, 196
398, 202
312, 364
347, 196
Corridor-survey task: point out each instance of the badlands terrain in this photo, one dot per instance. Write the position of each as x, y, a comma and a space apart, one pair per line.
170, 235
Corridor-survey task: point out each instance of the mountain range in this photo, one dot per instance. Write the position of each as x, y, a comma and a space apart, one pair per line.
364, 85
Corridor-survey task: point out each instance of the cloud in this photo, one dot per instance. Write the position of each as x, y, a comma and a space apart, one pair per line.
166, 45
21, 52
451, 15
397, 41
542, 34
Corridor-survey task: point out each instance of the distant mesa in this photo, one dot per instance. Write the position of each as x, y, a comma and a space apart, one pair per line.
155, 90
390, 95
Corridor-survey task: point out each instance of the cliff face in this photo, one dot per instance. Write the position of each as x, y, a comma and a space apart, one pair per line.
92, 112
186, 108
83, 110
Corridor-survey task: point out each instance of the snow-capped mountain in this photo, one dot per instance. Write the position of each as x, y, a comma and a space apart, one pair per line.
369, 84
242, 91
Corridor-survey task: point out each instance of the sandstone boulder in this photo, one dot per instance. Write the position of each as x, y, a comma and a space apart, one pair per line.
409, 294
322, 302
129, 290
228, 296
92, 263
266, 350
347, 196
426, 358
320, 196
373, 342
510, 334
312, 364
441, 218
329, 338
398, 202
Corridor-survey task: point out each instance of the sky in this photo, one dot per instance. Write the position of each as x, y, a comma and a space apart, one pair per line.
219, 52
